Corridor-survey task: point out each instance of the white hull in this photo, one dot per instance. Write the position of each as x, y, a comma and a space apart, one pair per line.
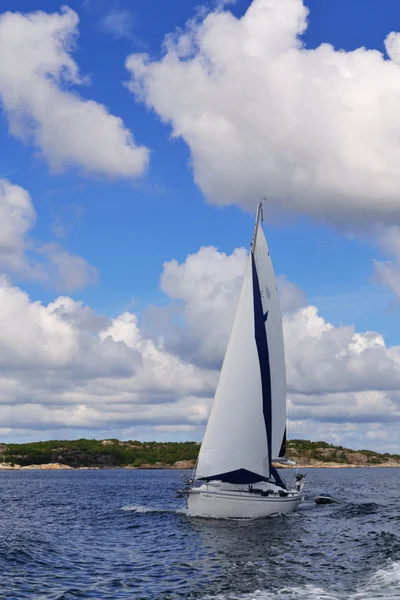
239, 505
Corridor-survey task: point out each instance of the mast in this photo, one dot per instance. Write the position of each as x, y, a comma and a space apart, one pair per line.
259, 216
246, 426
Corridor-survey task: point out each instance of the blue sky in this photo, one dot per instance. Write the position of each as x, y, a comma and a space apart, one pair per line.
127, 227
111, 223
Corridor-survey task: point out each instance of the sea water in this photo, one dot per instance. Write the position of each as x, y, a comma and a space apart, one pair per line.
125, 534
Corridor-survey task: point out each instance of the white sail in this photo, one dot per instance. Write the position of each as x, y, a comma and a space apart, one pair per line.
273, 325
235, 441
247, 425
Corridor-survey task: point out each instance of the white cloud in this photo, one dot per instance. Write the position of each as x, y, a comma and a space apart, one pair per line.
321, 358
341, 383
161, 370
317, 131
325, 359
30, 334
387, 272
36, 71
65, 369
208, 284
61, 366
20, 255
17, 217
392, 45
291, 297
71, 272
118, 22
369, 406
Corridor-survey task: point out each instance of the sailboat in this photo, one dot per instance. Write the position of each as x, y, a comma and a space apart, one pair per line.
245, 435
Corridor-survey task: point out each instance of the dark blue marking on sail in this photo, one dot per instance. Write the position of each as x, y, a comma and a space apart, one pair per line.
282, 451
263, 355
239, 476
265, 316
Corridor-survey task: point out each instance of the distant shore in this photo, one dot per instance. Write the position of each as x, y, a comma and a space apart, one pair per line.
61, 467
85, 454
179, 465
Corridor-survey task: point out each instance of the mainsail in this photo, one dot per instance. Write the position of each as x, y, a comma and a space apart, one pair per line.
246, 429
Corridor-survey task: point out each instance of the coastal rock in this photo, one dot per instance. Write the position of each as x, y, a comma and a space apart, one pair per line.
157, 465
183, 464
356, 458
47, 467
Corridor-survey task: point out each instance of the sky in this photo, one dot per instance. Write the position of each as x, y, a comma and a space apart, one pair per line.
136, 141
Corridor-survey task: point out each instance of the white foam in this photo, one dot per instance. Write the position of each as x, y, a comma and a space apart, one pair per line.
178, 511
144, 509
153, 509
384, 584
184, 511
309, 592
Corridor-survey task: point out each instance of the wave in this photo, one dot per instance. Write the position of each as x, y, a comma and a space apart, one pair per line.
384, 584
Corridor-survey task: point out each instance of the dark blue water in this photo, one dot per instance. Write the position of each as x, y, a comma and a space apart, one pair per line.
124, 534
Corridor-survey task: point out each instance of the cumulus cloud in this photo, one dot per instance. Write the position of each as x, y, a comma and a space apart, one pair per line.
37, 75
62, 366
65, 369
71, 272
370, 406
17, 217
207, 284
337, 377
324, 359
291, 297
316, 130
19, 255
320, 357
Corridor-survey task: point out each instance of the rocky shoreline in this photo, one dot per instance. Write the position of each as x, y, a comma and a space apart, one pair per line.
85, 454
180, 464
186, 464
332, 465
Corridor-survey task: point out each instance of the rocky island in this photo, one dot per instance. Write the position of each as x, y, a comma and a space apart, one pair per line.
112, 453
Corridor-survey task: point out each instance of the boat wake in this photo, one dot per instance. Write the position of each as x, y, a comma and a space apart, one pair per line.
136, 508
385, 583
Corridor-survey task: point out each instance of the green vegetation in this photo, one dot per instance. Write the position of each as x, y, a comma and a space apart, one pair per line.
97, 453
304, 451
113, 453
